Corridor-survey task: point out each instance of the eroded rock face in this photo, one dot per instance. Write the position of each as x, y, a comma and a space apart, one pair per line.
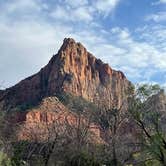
157, 103
89, 77
52, 117
73, 70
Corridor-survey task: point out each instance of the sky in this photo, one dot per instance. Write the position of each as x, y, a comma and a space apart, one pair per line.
130, 35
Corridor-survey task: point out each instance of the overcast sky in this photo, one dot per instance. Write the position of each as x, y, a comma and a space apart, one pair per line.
130, 35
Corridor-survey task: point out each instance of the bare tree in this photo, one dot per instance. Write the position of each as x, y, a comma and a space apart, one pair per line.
43, 137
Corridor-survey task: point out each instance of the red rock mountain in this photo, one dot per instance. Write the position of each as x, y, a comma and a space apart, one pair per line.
73, 70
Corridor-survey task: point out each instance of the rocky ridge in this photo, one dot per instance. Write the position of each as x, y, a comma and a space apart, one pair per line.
75, 71
72, 70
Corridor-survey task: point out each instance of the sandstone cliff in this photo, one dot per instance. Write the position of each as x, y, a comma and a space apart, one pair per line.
73, 70
52, 117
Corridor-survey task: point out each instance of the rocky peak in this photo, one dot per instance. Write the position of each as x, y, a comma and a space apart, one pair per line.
89, 77
69, 43
72, 70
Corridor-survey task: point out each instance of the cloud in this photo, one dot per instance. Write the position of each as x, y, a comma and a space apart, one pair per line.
162, 1
158, 17
26, 47
76, 3
106, 7
16, 5
138, 58
29, 39
159, 2
154, 35
68, 14
25, 7
83, 10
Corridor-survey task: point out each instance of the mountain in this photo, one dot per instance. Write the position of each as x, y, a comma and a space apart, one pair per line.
75, 103
72, 70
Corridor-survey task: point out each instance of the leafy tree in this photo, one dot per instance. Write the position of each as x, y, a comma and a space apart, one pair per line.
148, 119
5, 160
83, 159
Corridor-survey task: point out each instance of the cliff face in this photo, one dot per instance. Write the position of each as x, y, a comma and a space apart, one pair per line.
52, 117
73, 70
86, 76
157, 103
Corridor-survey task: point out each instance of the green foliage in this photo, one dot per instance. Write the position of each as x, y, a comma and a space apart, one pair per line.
83, 159
75, 103
154, 141
18, 149
152, 163
5, 160
143, 159
144, 91
23, 107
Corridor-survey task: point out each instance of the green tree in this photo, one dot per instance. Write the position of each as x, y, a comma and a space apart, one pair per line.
5, 160
148, 117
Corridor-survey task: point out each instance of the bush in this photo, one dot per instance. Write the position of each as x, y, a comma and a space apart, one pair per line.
5, 160
83, 159
18, 153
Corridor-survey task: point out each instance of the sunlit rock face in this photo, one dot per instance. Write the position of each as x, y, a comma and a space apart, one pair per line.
51, 117
73, 70
86, 76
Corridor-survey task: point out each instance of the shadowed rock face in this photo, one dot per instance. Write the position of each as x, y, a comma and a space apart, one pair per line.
73, 70
157, 103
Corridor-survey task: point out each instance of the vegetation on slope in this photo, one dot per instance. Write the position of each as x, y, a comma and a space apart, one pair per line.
72, 146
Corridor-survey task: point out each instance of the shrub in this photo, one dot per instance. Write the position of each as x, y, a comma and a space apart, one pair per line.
83, 159
5, 160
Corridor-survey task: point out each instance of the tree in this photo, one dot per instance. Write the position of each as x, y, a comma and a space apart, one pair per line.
112, 118
43, 140
7, 140
5, 160
148, 119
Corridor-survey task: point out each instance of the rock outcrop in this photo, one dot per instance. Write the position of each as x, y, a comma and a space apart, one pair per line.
157, 103
52, 117
73, 70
